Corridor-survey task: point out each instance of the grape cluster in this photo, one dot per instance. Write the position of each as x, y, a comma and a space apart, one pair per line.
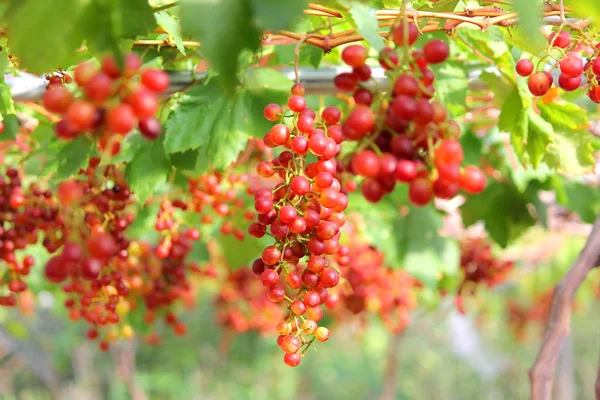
303, 213
89, 261
573, 68
24, 216
480, 266
242, 304
161, 281
521, 316
114, 101
404, 136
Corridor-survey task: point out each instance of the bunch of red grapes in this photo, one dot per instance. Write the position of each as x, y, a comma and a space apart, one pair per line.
24, 215
88, 261
377, 288
480, 267
242, 304
404, 136
303, 213
229, 195
162, 281
571, 65
521, 316
114, 100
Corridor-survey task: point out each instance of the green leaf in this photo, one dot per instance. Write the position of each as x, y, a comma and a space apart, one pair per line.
241, 253
539, 136
571, 152
277, 14
423, 253
565, 116
44, 35
73, 157
364, 18
384, 216
219, 125
510, 112
190, 125
451, 86
585, 9
225, 28
199, 252
472, 147
518, 37
582, 199
7, 113
502, 209
147, 170
136, 18
11, 127
530, 18
170, 25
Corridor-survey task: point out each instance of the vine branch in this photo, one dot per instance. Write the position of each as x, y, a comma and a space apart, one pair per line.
483, 18
541, 373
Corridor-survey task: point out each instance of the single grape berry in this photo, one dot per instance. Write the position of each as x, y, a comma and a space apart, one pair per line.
569, 84
354, 55
57, 99
150, 128
472, 180
524, 67
121, 119
273, 112
538, 83
571, 66
155, 80
562, 40
411, 31
436, 51
365, 163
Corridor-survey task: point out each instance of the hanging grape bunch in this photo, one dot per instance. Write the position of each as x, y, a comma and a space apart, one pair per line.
402, 135
113, 101
303, 213
573, 68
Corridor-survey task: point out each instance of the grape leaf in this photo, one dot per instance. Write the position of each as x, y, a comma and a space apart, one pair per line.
503, 210
44, 35
241, 253
423, 252
219, 125
224, 28
171, 26
7, 113
585, 9
136, 18
530, 19
451, 86
365, 20
571, 152
73, 156
582, 199
564, 116
277, 14
148, 169
511, 109
540, 134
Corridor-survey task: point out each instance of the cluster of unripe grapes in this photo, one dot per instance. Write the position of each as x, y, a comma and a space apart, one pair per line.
480, 266
113, 101
573, 68
303, 213
403, 136
25, 215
